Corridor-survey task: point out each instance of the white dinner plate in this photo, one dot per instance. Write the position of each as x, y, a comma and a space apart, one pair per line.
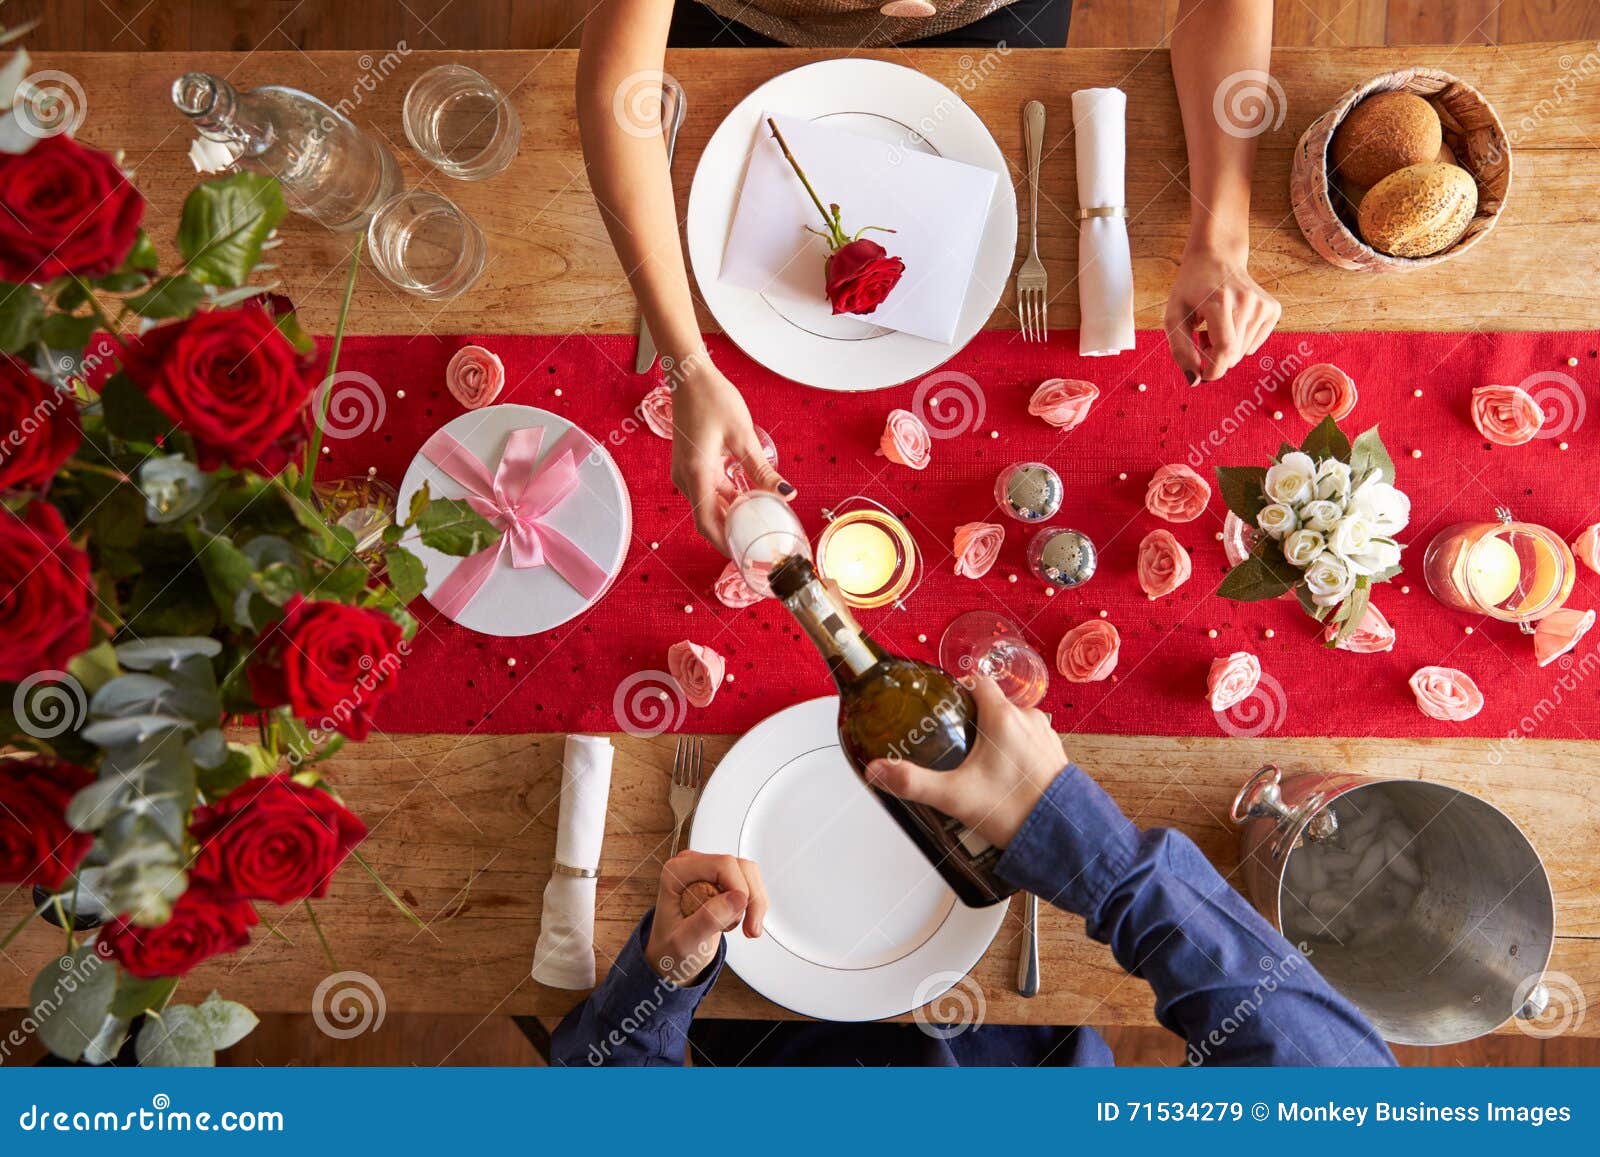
873, 99
861, 926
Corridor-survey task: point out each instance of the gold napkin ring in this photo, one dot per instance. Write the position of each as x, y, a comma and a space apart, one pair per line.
1103, 211
568, 870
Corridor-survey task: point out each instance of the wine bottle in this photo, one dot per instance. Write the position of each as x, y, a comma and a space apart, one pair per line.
897, 708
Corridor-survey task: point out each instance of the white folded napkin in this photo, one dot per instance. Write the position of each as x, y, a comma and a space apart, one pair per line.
937, 207
1105, 266
564, 956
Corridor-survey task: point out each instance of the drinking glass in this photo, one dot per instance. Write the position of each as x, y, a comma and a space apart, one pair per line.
461, 123
1516, 572
984, 643
424, 244
734, 469
762, 531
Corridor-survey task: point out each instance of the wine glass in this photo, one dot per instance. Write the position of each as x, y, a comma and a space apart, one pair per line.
734, 468
762, 531
985, 643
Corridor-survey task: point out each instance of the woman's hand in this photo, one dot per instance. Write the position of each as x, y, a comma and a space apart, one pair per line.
1215, 290
681, 946
1016, 758
711, 423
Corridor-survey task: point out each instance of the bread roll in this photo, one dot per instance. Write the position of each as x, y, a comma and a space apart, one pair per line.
1418, 211
1383, 134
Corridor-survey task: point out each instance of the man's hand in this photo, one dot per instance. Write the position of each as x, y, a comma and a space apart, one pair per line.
711, 423
1016, 757
1216, 291
681, 946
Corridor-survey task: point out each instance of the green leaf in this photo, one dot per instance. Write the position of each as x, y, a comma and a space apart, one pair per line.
122, 282
1241, 490
451, 526
63, 332
225, 222
96, 667
1326, 440
135, 996
73, 294
176, 296
228, 1021
1308, 604
1348, 616
1264, 575
1367, 453
228, 570
70, 1004
129, 414
178, 1038
289, 326
21, 311
406, 573
419, 503
142, 257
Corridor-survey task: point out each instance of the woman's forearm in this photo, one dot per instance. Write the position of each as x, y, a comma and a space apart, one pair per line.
1212, 42
624, 43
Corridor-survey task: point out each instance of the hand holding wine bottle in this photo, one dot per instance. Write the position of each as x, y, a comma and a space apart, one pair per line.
1016, 757
681, 946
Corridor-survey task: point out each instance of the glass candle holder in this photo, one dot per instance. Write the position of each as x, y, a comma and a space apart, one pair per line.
1029, 491
363, 506
1062, 557
869, 553
1516, 572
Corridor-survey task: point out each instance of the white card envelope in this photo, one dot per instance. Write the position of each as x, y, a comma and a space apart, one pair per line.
937, 207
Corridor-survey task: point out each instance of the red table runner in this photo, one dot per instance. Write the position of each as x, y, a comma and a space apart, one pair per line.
569, 679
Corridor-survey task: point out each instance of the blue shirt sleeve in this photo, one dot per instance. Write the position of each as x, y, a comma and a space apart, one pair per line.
634, 1017
1224, 980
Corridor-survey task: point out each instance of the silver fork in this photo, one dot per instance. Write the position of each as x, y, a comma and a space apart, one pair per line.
1032, 286
687, 762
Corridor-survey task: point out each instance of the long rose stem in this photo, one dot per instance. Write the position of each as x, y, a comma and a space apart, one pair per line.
832, 223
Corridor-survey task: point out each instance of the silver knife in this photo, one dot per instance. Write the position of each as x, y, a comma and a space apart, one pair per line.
672, 105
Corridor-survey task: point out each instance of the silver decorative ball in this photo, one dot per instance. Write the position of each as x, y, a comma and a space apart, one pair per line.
1061, 557
1029, 491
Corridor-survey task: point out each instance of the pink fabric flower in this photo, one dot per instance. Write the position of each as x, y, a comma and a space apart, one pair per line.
474, 376
977, 545
1232, 680
1177, 494
732, 591
1239, 538
1586, 547
1164, 565
1323, 391
905, 440
1559, 632
1088, 652
655, 408
1446, 693
1506, 415
1372, 634
698, 670
1063, 402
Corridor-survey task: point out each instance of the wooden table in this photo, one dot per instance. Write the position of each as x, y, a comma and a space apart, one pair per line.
464, 826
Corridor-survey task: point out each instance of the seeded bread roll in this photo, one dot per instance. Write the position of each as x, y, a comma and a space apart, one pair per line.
1383, 134
1418, 211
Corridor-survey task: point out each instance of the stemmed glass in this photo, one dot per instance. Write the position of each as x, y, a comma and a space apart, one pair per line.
986, 643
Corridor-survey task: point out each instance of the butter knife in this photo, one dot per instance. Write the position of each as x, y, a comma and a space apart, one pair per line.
672, 105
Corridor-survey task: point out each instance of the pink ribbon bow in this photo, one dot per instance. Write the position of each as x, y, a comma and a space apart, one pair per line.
516, 499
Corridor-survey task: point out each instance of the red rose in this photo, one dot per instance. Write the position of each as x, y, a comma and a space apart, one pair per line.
64, 209
40, 424
273, 839
37, 845
330, 663
231, 380
860, 275
202, 925
46, 596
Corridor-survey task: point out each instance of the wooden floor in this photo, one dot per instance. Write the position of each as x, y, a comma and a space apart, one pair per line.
248, 25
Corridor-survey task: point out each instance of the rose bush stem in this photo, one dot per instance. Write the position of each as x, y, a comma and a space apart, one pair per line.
308, 471
836, 237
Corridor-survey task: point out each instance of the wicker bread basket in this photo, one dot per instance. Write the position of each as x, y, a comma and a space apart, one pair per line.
1472, 132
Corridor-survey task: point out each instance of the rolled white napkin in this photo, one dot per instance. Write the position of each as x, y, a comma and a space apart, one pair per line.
1105, 265
564, 956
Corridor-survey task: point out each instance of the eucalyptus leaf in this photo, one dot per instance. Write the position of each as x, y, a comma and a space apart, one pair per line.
70, 1000
173, 487
177, 1038
83, 895
228, 1021
166, 651
136, 995
95, 804
132, 729
224, 224
209, 749
108, 1042
133, 694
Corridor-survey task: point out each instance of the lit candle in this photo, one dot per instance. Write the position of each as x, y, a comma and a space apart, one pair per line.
1493, 570
861, 557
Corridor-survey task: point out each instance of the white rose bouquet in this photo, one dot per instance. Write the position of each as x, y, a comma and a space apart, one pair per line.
1327, 514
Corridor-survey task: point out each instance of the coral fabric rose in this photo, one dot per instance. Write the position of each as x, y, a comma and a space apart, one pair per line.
37, 845
732, 591
1559, 632
1164, 565
273, 839
698, 670
976, 546
1239, 538
1063, 402
1506, 415
1372, 634
1088, 652
64, 209
475, 376
1232, 680
202, 925
1323, 391
330, 663
46, 602
655, 409
1446, 693
231, 380
41, 425
1177, 494
1586, 547
905, 440
860, 275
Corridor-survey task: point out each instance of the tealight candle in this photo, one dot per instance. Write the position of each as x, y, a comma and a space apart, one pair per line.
870, 554
1512, 571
